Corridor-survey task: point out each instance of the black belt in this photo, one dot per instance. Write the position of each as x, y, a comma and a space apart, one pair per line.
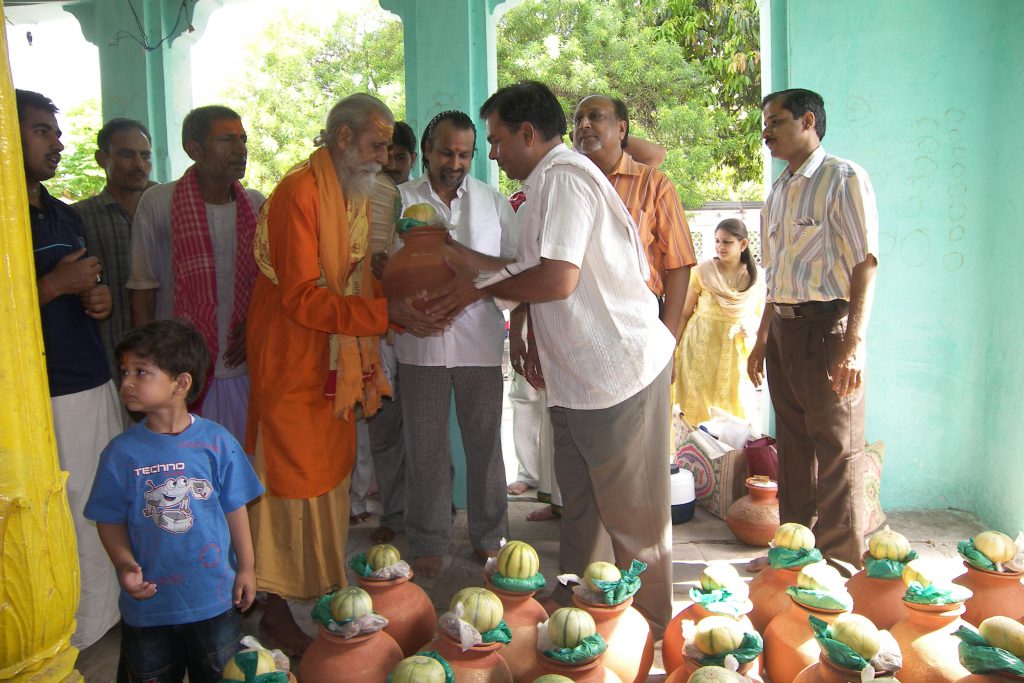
809, 308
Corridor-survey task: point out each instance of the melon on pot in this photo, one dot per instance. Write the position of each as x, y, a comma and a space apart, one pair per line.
602, 571
793, 536
480, 607
714, 674
888, 545
718, 635
568, 626
820, 576
418, 669
1005, 633
421, 212
996, 546
518, 560
264, 665
719, 575
350, 602
552, 678
382, 555
917, 570
858, 633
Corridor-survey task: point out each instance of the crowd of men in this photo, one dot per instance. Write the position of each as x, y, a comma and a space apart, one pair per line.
592, 257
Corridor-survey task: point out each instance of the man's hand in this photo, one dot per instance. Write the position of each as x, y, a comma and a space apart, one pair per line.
73, 274
847, 372
451, 298
755, 362
235, 353
130, 576
532, 370
402, 312
377, 263
97, 302
245, 589
517, 353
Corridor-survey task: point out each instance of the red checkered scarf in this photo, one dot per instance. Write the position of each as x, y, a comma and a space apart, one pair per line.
195, 277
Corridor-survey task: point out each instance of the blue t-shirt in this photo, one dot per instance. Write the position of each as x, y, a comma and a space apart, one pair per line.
75, 359
172, 492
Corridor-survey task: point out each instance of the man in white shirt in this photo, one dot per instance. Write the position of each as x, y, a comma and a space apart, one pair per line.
466, 358
606, 357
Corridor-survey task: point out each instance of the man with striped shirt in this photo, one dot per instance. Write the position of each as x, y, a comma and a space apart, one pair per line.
819, 231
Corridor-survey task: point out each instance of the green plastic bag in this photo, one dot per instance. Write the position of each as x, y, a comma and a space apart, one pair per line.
589, 648
887, 569
821, 599
721, 601
784, 558
322, 612
499, 634
749, 649
616, 592
936, 595
838, 653
360, 566
518, 585
247, 663
449, 675
975, 557
978, 657
405, 224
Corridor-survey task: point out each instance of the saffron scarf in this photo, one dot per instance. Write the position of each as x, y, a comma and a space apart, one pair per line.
355, 379
195, 272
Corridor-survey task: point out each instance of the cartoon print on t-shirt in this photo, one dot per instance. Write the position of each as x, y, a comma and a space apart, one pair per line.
168, 503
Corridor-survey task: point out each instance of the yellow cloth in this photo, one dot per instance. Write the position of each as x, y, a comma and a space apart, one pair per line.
711, 361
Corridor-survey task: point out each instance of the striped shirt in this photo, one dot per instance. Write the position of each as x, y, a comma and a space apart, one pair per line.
654, 205
816, 225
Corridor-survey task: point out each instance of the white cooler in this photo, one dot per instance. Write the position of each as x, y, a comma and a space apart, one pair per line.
683, 499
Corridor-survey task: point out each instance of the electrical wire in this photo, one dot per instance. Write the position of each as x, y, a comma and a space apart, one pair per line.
183, 11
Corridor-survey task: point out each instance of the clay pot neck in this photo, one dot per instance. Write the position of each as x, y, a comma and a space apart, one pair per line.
602, 612
814, 610
992, 577
481, 650
933, 616
830, 673
425, 234
762, 492
510, 596
354, 641
556, 667
370, 583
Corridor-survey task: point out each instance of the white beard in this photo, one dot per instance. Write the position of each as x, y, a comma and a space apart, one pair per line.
357, 180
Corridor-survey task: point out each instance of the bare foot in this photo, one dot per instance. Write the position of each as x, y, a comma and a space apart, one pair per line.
542, 515
757, 564
427, 566
359, 519
484, 555
278, 628
383, 534
517, 488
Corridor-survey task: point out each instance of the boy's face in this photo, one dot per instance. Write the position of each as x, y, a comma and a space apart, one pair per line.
145, 388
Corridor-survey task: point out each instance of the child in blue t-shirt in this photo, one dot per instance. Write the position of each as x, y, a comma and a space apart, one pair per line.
169, 503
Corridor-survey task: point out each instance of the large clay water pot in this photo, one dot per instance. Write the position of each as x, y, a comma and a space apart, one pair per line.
995, 593
593, 671
768, 593
991, 678
419, 264
930, 650
362, 659
880, 600
522, 614
789, 644
630, 652
751, 671
410, 614
824, 671
673, 642
754, 518
478, 664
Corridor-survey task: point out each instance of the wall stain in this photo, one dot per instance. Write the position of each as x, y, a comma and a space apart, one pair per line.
954, 260
957, 233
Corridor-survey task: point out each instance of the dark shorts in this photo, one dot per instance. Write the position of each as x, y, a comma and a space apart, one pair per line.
162, 654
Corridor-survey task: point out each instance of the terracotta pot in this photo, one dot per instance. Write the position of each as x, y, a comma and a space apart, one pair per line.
789, 644
593, 671
824, 671
522, 614
362, 659
410, 614
754, 518
880, 600
630, 652
478, 664
768, 593
751, 670
673, 642
991, 678
419, 264
995, 593
930, 650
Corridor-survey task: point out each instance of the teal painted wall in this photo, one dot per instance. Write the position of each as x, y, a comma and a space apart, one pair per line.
921, 94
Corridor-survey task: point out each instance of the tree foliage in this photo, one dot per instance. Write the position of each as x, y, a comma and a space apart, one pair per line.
78, 177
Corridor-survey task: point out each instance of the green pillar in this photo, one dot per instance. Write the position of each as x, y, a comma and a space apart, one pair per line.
152, 85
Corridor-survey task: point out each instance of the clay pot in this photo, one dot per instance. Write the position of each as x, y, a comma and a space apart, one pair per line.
768, 593
593, 671
991, 678
673, 642
522, 614
419, 264
824, 671
478, 664
789, 644
751, 671
930, 650
754, 518
995, 593
410, 613
630, 652
362, 659
880, 600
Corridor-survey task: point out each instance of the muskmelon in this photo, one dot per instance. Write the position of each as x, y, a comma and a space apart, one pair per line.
552, 678
718, 635
423, 212
888, 545
418, 669
518, 560
480, 607
917, 570
714, 674
996, 546
858, 633
793, 536
718, 575
601, 571
568, 626
1005, 633
264, 665
382, 555
820, 576
350, 602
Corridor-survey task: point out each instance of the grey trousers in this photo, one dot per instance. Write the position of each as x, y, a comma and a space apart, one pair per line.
387, 446
612, 466
426, 397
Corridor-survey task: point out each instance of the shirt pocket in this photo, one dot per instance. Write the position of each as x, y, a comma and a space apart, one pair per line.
806, 239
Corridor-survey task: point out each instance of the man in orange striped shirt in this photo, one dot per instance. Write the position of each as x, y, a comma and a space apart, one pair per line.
601, 132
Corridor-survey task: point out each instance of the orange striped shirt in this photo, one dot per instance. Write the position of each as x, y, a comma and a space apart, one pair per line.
654, 204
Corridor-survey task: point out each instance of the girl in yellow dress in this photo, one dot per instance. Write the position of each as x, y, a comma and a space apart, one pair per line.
720, 318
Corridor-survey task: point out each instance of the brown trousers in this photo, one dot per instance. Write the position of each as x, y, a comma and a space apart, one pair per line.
820, 436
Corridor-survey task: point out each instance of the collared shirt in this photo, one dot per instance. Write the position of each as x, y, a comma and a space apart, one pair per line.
152, 266
480, 218
816, 225
604, 342
654, 205
108, 238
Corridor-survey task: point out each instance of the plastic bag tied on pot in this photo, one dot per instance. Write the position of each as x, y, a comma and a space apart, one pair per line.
361, 567
722, 601
454, 625
887, 569
403, 225
346, 628
449, 674
888, 660
978, 657
784, 558
616, 592
588, 649
248, 661
749, 650
975, 557
838, 599
935, 594
505, 583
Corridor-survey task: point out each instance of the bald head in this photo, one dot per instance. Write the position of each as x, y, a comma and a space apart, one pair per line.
600, 128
